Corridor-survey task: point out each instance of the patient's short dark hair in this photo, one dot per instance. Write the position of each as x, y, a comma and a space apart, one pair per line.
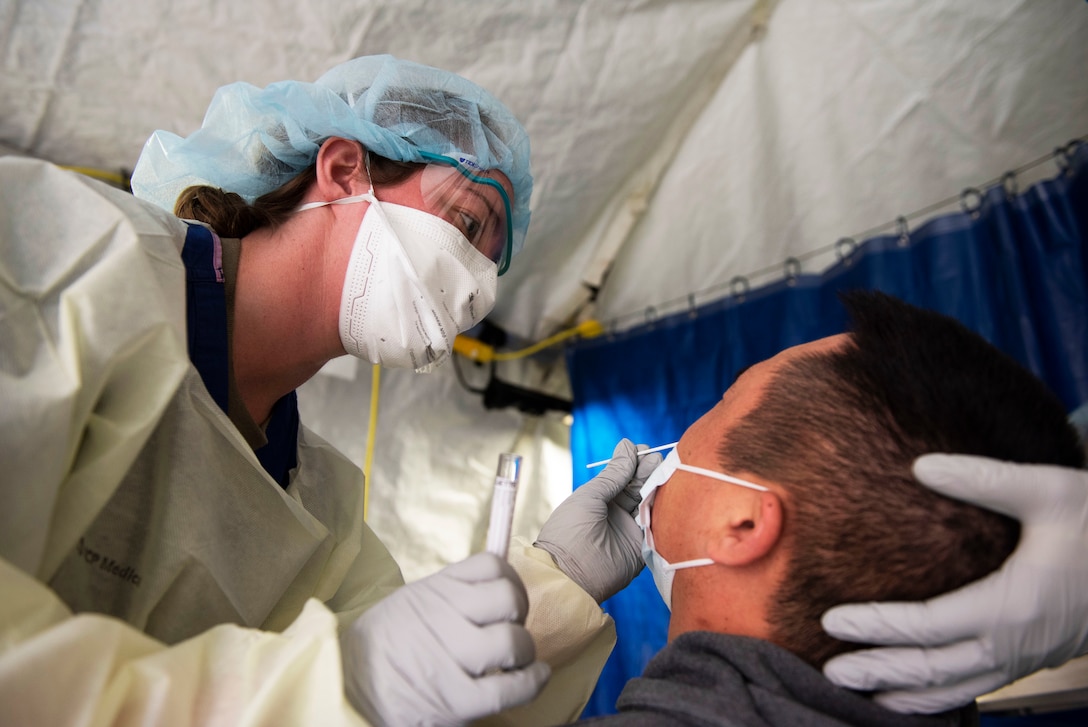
839, 431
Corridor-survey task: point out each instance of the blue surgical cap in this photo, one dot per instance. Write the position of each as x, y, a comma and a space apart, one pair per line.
254, 140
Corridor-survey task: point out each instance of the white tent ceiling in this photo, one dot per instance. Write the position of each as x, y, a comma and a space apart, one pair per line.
676, 144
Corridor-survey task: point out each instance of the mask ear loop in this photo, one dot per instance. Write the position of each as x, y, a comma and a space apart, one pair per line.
369, 176
369, 196
376, 207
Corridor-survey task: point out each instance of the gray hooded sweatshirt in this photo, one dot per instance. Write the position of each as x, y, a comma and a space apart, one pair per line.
707, 679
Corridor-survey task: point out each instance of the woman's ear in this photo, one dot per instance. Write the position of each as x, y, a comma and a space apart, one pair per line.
752, 526
341, 168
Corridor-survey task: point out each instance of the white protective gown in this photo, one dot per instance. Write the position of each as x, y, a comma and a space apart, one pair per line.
125, 484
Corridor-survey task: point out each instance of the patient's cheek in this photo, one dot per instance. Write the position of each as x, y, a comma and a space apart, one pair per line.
664, 522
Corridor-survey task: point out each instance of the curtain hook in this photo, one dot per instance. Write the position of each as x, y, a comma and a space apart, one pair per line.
1010, 184
692, 313
844, 249
1061, 159
1072, 147
971, 201
650, 315
792, 269
904, 230
738, 287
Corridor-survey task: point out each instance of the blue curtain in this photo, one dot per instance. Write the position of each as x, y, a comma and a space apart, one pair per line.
1014, 269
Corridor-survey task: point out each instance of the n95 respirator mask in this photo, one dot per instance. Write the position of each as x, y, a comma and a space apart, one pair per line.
413, 282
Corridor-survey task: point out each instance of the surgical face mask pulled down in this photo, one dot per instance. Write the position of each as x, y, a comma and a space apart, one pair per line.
662, 570
413, 283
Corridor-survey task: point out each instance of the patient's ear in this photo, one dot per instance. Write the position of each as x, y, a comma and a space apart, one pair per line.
749, 530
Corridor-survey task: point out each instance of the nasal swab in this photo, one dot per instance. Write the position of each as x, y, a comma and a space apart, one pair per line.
640, 452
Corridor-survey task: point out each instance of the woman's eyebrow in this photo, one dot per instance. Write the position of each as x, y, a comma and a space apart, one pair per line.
487, 199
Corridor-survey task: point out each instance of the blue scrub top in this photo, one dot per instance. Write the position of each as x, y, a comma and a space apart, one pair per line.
206, 302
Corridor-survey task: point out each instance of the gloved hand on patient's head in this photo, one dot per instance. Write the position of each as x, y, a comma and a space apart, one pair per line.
1029, 615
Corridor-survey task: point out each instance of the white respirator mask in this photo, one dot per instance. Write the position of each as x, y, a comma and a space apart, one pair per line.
412, 284
662, 570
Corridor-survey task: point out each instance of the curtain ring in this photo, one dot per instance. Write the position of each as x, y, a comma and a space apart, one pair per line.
650, 315
844, 248
1071, 149
1061, 158
692, 313
1010, 185
738, 287
971, 201
792, 269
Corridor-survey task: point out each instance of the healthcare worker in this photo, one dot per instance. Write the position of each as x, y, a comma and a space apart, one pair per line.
176, 547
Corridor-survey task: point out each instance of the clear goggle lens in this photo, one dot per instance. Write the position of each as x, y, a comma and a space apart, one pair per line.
472, 200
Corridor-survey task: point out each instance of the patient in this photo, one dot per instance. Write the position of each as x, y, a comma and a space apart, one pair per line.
828, 430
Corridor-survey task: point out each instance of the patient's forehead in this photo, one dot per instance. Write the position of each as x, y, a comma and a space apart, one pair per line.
700, 440
755, 377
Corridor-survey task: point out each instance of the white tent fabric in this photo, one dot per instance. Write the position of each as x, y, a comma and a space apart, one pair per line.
846, 115
676, 144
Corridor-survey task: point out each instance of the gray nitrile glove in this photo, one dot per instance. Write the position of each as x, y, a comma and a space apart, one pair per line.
444, 650
1030, 614
592, 535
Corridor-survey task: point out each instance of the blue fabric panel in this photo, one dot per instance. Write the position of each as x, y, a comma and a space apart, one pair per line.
206, 311
1015, 271
280, 455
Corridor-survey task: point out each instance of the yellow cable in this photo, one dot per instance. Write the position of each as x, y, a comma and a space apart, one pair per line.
105, 176
478, 351
587, 329
472, 349
371, 430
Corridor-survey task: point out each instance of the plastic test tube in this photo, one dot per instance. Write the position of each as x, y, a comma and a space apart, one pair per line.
502, 504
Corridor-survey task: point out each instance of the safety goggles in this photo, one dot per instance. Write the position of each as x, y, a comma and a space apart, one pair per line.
460, 193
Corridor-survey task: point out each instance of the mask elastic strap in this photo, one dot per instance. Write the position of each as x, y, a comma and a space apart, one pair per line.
369, 176
688, 564
723, 478
368, 196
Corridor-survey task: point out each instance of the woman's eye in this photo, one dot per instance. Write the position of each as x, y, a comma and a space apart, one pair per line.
469, 225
